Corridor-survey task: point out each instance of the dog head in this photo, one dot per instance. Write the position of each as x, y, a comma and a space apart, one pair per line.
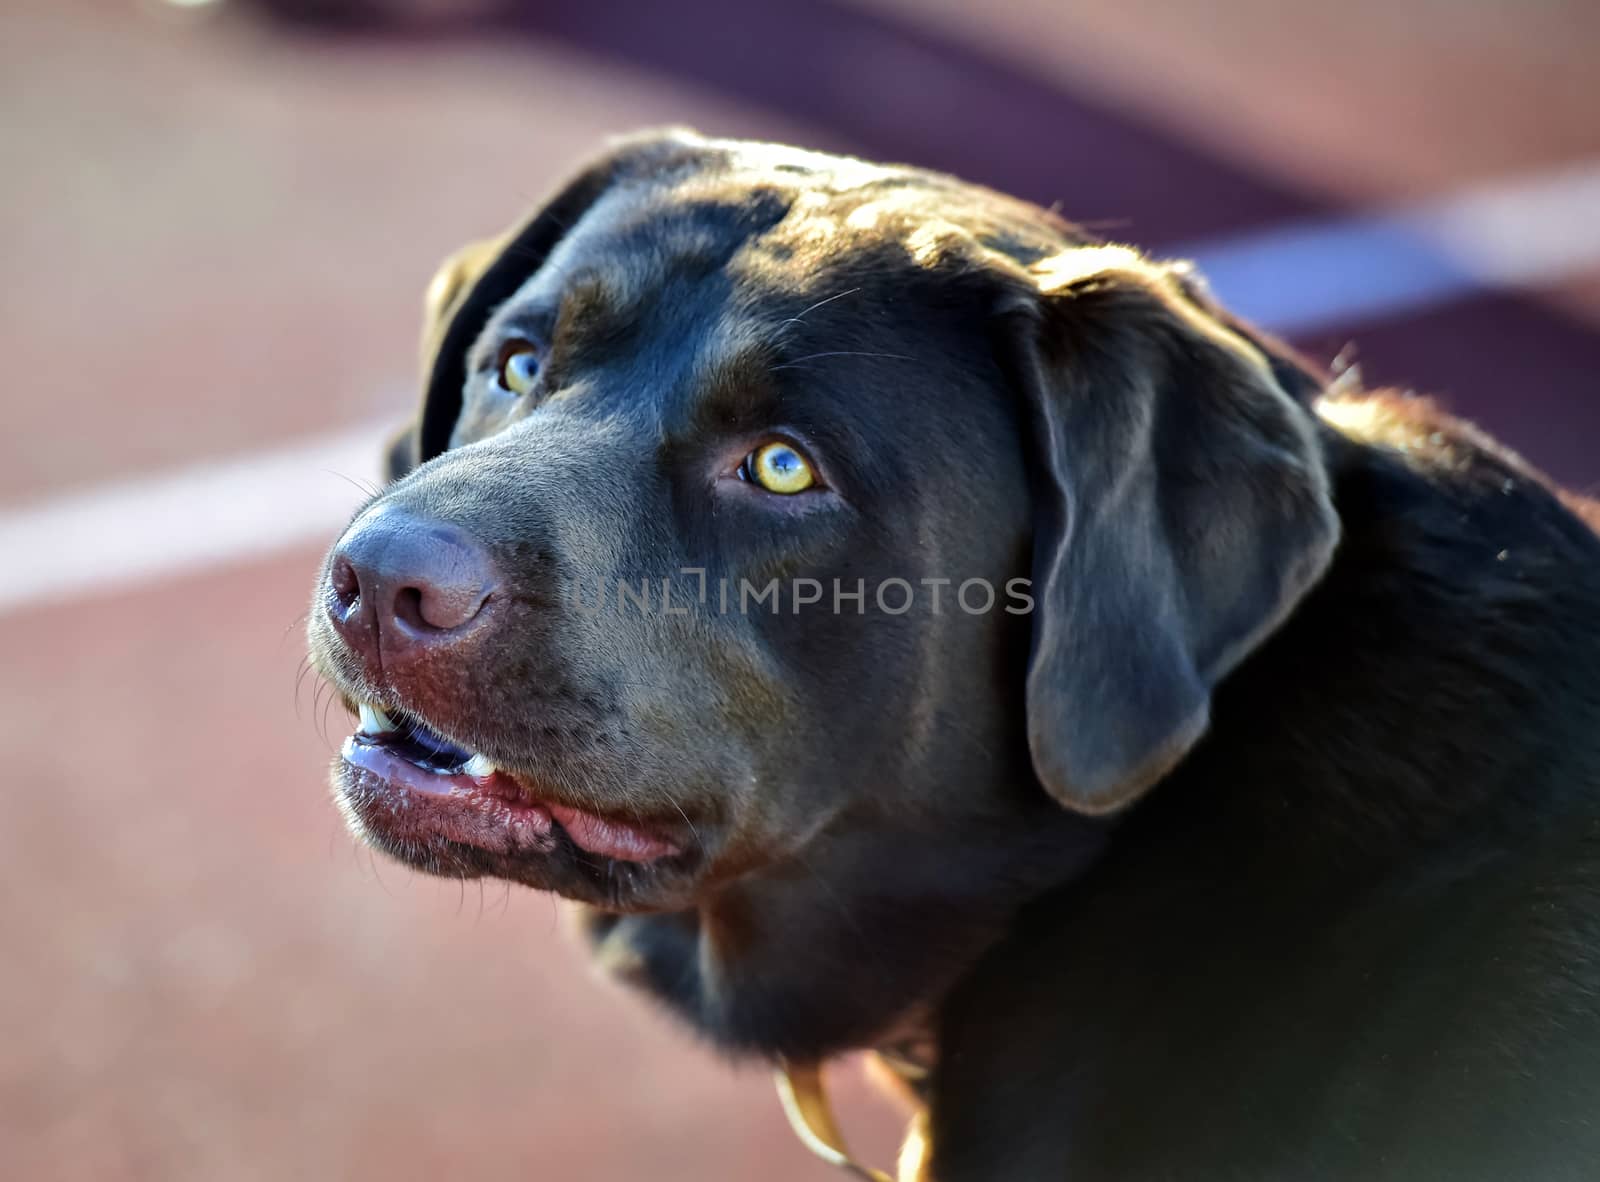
765, 504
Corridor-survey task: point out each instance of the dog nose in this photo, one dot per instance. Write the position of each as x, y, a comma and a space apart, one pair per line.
400, 585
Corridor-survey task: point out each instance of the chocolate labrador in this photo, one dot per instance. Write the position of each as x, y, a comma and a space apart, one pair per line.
901, 621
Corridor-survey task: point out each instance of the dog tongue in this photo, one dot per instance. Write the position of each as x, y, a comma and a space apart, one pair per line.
610, 839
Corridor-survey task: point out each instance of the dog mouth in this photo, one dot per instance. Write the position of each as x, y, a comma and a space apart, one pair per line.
412, 788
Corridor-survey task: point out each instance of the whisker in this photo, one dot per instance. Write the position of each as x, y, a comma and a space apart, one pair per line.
372, 491
798, 361
802, 315
353, 481
327, 702
316, 708
693, 832
299, 681
372, 863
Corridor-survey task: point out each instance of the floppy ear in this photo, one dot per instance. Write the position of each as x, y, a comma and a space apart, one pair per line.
479, 277
1182, 509
449, 287
1301, 377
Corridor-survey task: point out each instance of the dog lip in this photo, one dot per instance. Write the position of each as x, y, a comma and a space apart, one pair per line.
525, 818
610, 838
427, 804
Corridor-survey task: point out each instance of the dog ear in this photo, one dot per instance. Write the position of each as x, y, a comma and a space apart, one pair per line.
1182, 509
1298, 374
449, 287
481, 276
400, 453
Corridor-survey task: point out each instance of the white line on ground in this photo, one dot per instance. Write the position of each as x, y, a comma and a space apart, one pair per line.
191, 519
1309, 276
1295, 279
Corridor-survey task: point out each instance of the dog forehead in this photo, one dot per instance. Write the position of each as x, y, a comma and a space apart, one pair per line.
788, 214
705, 247
733, 247
841, 201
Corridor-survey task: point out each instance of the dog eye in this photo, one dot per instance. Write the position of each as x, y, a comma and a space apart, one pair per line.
778, 468
519, 366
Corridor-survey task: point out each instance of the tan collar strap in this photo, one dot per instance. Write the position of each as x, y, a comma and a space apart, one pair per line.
805, 1103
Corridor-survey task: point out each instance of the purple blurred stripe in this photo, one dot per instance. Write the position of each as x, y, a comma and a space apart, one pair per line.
892, 91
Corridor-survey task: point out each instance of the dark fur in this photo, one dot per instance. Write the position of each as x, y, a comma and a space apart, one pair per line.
1267, 847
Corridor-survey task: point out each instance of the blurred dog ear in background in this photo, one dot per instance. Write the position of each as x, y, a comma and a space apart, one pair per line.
449, 287
482, 275
1182, 511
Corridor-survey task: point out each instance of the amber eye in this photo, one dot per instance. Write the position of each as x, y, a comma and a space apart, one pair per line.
778, 468
519, 366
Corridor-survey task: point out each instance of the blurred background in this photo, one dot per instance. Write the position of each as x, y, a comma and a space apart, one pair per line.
217, 224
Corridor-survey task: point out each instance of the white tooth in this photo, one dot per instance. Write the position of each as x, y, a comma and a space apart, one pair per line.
373, 721
479, 766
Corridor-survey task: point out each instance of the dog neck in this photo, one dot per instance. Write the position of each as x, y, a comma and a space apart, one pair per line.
831, 953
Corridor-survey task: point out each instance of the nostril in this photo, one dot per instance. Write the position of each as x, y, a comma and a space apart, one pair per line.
440, 607
345, 582
408, 609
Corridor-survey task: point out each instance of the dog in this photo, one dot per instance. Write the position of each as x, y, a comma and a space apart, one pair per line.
899, 620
